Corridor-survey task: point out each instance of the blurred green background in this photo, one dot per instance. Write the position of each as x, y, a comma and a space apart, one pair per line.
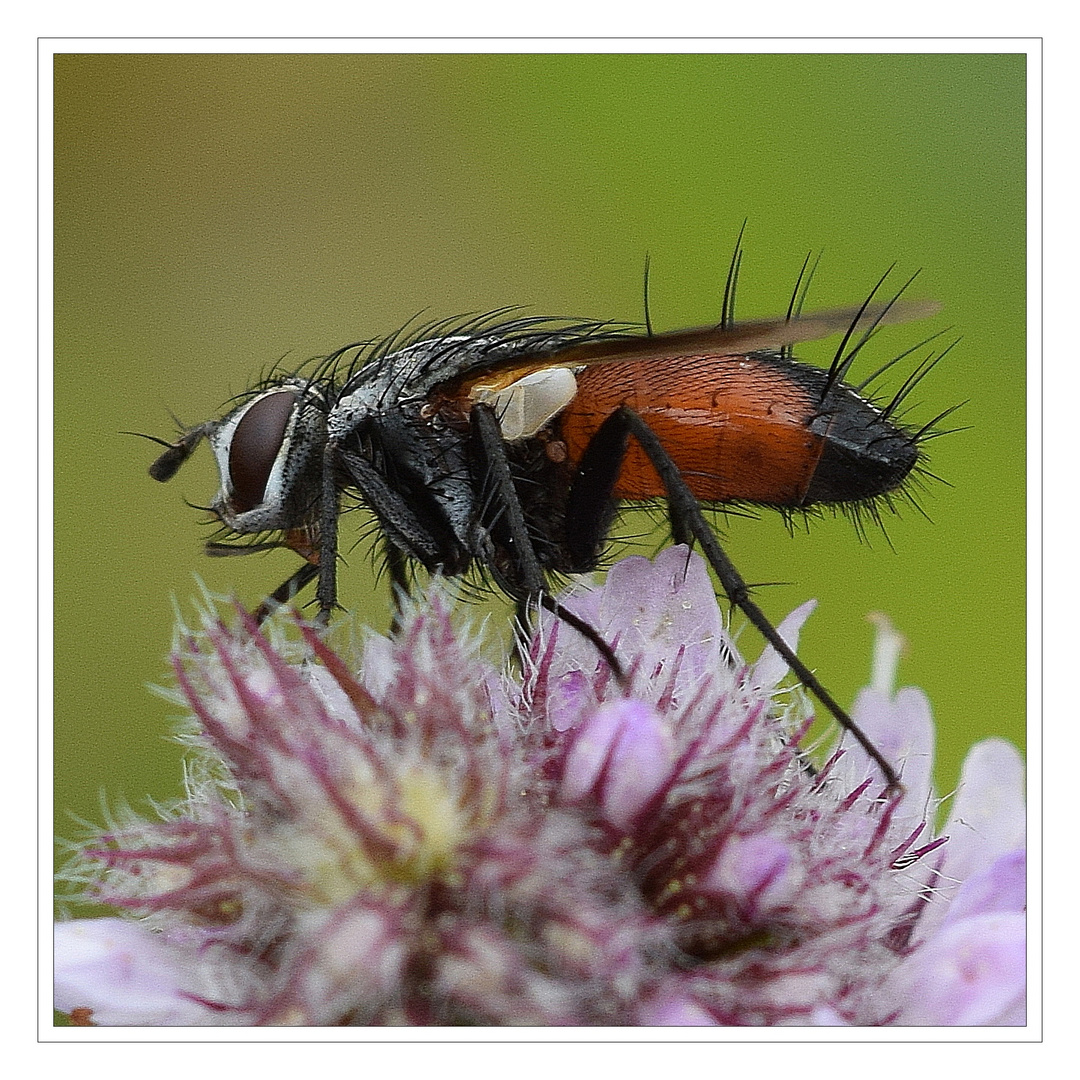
215, 213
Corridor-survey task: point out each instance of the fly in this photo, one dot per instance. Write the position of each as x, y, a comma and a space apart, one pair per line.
508, 445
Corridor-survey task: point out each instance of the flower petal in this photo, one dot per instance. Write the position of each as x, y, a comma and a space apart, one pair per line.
770, 667
621, 756
675, 1010
662, 613
971, 973
901, 726
1001, 887
761, 871
823, 1016
357, 960
988, 818
130, 976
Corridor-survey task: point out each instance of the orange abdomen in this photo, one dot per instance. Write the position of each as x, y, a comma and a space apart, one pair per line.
736, 426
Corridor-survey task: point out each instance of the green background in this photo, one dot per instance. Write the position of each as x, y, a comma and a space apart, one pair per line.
215, 213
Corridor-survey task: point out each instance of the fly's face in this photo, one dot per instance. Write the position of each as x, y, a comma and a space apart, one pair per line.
268, 453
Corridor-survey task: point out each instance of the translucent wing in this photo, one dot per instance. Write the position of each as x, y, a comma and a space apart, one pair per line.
745, 337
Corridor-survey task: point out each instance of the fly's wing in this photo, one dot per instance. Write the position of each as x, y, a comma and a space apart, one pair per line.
745, 337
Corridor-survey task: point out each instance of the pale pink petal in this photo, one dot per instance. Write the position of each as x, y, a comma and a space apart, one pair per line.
620, 757
988, 816
377, 667
359, 954
640, 763
569, 693
824, 1016
663, 614
971, 973
771, 667
760, 870
675, 1010
901, 726
130, 976
1001, 887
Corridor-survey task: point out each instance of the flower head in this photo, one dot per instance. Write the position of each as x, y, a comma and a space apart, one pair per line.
415, 838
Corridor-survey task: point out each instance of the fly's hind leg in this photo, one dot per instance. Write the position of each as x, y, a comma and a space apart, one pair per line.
688, 522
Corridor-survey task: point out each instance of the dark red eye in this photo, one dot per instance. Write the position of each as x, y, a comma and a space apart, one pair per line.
255, 445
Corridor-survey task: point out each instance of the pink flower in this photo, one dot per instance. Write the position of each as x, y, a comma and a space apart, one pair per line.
964, 958
138, 977
620, 757
428, 842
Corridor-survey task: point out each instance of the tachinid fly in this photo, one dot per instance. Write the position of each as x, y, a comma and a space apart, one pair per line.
508, 444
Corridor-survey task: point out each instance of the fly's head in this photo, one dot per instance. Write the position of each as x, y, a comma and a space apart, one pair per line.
268, 452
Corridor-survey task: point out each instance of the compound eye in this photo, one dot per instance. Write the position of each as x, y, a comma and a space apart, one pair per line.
255, 445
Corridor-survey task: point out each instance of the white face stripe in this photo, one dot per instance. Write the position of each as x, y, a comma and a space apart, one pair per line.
221, 440
260, 516
525, 406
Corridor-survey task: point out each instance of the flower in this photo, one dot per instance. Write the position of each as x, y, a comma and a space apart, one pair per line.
416, 838
964, 958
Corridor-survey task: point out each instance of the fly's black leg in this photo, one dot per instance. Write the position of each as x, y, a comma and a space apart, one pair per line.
399, 581
688, 520
286, 591
398, 518
403, 530
590, 507
502, 505
328, 523
501, 494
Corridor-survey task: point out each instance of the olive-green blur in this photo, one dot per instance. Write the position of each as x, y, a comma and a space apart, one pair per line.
216, 214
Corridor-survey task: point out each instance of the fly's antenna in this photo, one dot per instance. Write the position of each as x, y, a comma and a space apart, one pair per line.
166, 465
152, 438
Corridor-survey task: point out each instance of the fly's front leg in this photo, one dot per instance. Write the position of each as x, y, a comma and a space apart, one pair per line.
405, 534
500, 506
326, 591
